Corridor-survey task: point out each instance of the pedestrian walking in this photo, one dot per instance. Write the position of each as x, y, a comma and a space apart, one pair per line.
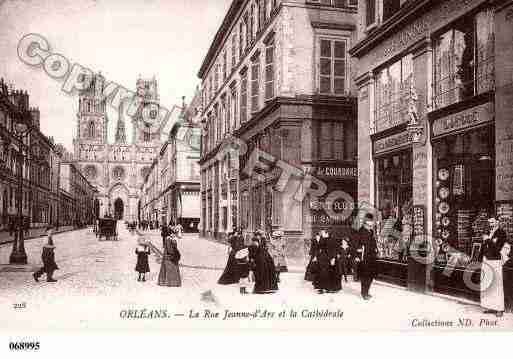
327, 278
342, 258
169, 275
507, 271
262, 266
312, 267
48, 259
365, 254
231, 273
142, 251
277, 252
164, 232
492, 285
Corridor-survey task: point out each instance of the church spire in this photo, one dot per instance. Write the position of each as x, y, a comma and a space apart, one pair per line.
120, 129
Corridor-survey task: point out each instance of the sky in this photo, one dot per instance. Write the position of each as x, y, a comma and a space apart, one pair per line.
123, 39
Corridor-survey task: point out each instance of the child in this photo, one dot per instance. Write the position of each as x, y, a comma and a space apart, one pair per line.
143, 267
48, 259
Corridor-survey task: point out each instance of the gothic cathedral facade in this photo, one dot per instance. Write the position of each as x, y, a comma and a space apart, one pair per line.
117, 169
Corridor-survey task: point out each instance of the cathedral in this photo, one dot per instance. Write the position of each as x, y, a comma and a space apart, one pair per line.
117, 169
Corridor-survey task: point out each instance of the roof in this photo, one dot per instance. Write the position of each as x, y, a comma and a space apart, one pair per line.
218, 39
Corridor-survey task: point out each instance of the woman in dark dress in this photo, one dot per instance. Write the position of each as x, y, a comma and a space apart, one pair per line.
262, 265
231, 274
48, 259
311, 268
328, 278
508, 278
142, 266
169, 275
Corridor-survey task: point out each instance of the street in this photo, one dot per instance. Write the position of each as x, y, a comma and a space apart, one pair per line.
97, 288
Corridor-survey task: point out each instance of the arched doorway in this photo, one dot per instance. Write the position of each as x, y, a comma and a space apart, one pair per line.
119, 209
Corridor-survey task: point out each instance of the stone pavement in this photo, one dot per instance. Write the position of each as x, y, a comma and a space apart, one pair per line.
97, 290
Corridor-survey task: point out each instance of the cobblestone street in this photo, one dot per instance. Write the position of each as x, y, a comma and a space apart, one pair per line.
97, 286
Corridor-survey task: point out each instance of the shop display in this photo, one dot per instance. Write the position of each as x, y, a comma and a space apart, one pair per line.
443, 193
444, 208
443, 174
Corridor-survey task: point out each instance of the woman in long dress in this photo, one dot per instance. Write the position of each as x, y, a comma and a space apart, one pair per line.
262, 265
277, 249
508, 278
311, 268
328, 278
492, 286
231, 273
169, 275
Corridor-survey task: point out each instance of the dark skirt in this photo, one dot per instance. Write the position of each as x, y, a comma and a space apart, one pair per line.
235, 270
169, 275
311, 268
266, 280
142, 265
327, 277
507, 270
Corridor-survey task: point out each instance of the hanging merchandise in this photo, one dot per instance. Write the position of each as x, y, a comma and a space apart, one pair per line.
458, 184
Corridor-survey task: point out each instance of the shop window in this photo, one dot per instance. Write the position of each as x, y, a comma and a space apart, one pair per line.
332, 66
394, 178
464, 192
464, 60
234, 50
393, 86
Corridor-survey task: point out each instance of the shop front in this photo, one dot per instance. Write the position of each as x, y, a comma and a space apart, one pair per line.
464, 196
393, 163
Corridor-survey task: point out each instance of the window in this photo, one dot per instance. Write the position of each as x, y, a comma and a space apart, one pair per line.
371, 13
147, 133
252, 24
255, 83
234, 50
216, 77
336, 3
225, 66
241, 39
332, 67
393, 85
269, 70
261, 14
247, 30
233, 104
91, 130
331, 141
390, 7
228, 115
464, 60
244, 97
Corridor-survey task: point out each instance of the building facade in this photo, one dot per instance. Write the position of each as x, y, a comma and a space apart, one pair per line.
77, 197
434, 125
119, 169
170, 193
279, 79
40, 161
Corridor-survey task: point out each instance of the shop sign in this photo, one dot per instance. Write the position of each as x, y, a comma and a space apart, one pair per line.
392, 142
335, 172
463, 120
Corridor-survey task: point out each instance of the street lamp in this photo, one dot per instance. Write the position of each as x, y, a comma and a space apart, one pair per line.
18, 254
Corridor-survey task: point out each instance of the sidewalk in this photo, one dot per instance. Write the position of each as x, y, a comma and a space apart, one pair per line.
33, 233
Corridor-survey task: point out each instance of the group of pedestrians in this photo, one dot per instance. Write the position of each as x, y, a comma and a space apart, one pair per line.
169, 274
331, 259
260, 262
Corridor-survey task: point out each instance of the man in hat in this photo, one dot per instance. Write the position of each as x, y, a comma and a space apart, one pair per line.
492, 286
365, 254
48, 259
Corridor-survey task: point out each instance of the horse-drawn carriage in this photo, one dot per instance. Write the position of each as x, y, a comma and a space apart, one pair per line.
107, 228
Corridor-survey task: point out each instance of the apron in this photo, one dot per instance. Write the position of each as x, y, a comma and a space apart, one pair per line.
492, 287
